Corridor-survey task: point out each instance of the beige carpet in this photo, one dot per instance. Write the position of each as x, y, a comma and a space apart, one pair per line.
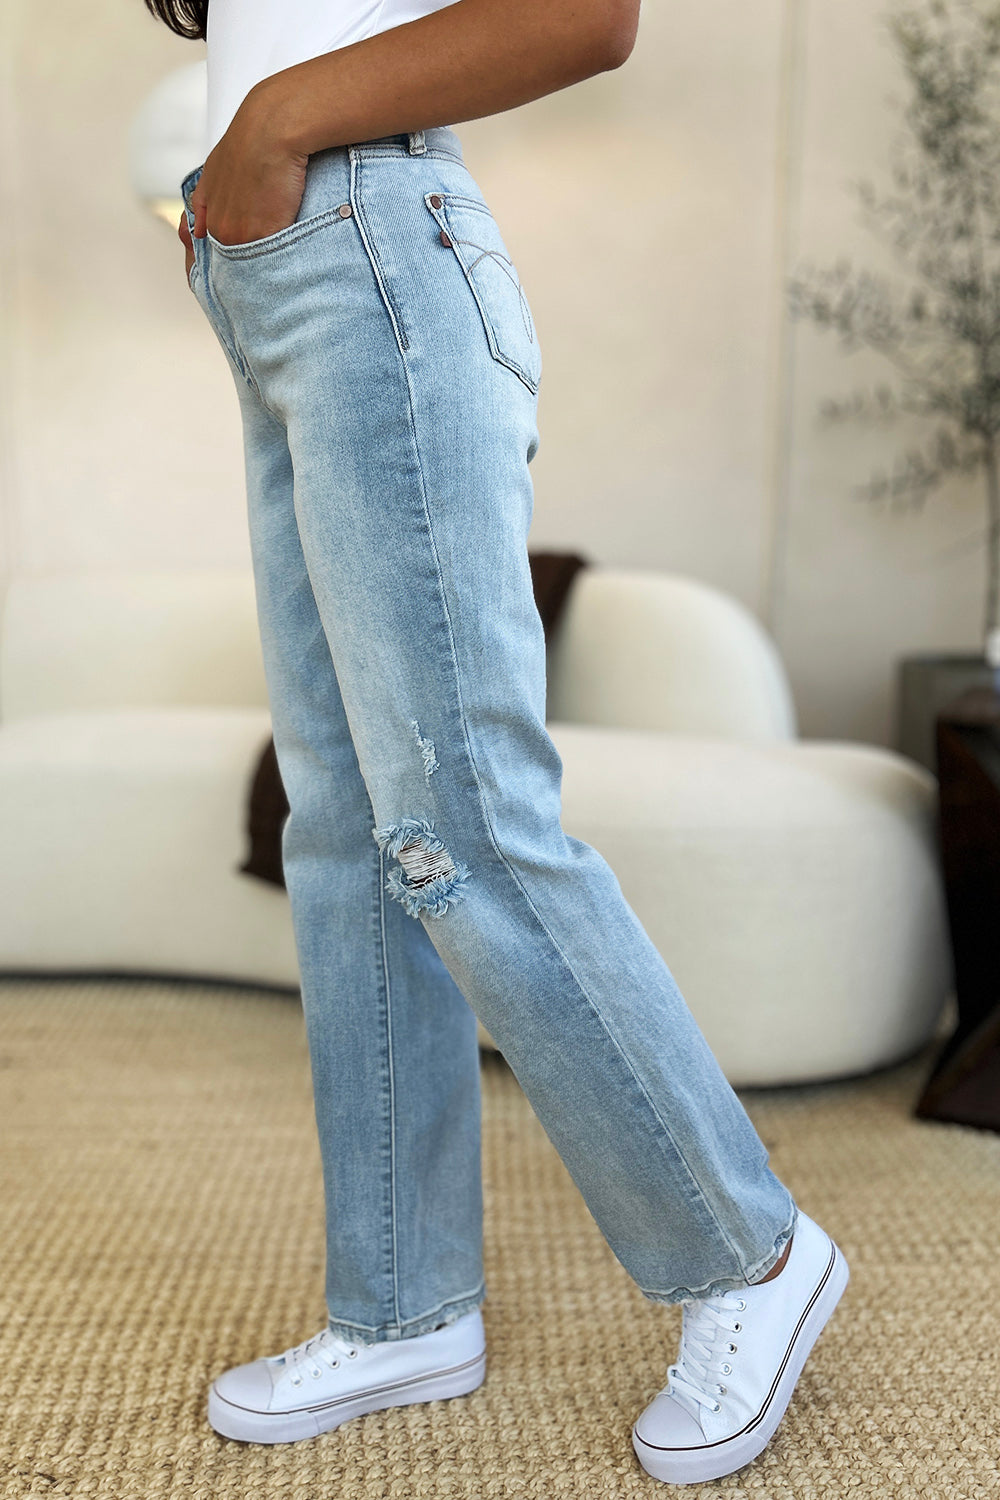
161, 1218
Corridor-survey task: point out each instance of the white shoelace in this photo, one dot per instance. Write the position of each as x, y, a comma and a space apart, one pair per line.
700, 1358
324, 1346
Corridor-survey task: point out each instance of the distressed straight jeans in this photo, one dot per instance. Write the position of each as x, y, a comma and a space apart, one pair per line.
387, 367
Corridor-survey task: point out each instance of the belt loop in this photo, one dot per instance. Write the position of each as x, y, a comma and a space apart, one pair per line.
417, 143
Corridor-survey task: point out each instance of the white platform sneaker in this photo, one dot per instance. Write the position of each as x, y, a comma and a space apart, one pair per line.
316, 1385
740, 1357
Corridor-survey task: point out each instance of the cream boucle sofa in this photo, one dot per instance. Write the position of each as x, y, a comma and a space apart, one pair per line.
792, 886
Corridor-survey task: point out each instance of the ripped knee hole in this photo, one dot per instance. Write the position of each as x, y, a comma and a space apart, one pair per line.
429, 878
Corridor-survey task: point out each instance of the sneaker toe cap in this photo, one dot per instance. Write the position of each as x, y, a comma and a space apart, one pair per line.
247, 1386
665, 1424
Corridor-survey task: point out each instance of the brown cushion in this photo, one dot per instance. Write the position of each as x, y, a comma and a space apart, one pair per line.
552, 574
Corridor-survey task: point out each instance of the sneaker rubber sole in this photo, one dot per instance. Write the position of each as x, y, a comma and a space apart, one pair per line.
234, 1421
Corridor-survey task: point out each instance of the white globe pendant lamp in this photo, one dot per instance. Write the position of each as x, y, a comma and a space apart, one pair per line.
167, 138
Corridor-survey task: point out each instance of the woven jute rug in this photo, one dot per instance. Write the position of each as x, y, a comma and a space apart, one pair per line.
161, 1218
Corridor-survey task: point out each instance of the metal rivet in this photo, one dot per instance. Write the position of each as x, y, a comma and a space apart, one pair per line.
445, 237
345, 210
436, 200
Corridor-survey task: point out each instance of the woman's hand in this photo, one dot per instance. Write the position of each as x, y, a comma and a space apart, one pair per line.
184, 234
251, 184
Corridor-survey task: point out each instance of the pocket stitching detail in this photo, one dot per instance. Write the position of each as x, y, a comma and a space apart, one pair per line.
368, 240
441, 218
249, 249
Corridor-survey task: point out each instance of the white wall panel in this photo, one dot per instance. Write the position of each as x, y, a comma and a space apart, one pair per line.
856, 585
653, 212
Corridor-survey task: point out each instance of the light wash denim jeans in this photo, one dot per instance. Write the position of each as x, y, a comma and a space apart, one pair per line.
387, 368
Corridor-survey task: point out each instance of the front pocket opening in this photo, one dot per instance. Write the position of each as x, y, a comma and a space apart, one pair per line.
287, 235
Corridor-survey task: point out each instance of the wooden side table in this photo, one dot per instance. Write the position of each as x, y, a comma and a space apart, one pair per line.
926, 686
964, 1086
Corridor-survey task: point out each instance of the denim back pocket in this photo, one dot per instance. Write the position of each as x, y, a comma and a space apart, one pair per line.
469, 229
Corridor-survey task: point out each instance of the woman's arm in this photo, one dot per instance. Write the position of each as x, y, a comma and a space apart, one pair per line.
472, 58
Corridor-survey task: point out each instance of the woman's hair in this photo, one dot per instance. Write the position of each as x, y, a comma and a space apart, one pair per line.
188, 18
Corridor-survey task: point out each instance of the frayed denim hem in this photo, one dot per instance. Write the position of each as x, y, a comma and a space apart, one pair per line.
729, 1283
447, 1312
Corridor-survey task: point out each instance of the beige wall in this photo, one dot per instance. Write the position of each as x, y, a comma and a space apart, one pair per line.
654, 213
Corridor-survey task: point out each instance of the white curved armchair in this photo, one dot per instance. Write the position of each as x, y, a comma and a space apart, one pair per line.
647, 650
792, 886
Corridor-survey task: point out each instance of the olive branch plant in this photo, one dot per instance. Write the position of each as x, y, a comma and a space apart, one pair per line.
938, 327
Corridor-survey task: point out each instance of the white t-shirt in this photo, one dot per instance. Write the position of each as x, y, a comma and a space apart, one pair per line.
248, 40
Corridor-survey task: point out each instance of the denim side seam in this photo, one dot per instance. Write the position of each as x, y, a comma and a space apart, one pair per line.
445, 1312
389, 1087
371, 249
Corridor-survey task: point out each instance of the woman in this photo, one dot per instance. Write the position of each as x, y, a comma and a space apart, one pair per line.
387, 369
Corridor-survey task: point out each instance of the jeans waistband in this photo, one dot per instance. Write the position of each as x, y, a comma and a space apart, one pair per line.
436, 140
